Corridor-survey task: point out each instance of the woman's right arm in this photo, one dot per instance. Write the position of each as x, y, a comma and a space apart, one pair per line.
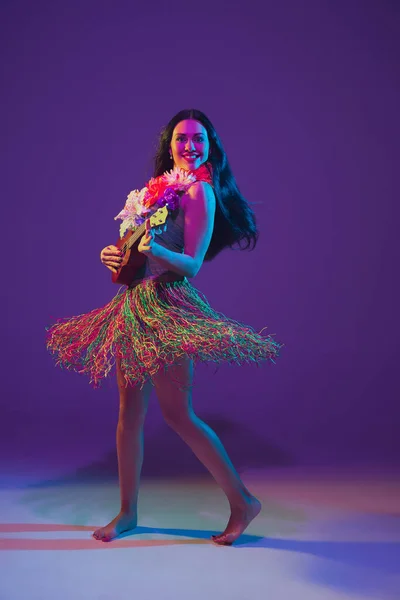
111, 257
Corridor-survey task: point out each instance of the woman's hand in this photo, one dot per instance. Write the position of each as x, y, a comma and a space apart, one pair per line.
111, 257
147, 244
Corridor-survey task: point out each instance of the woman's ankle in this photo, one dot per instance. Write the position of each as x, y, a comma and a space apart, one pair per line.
129, 511
241, 499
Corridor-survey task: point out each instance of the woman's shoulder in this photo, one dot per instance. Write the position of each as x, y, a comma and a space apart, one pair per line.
199, 191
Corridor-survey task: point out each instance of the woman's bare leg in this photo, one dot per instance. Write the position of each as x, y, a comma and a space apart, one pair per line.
132, 411
176, 406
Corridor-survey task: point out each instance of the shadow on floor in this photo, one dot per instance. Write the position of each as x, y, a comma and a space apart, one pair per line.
166, 455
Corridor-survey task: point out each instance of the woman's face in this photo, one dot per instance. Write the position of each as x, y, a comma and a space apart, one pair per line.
189, 145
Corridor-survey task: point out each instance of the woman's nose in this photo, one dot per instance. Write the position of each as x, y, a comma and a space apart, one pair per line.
189, 145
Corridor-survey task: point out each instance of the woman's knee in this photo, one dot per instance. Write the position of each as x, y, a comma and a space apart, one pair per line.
178, 421
177, 411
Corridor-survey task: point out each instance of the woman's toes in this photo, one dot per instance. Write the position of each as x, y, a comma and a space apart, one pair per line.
98, 534
222, 540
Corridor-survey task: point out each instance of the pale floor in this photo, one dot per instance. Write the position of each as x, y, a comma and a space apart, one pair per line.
322, 534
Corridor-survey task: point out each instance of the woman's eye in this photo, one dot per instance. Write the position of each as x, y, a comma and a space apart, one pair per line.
182, 139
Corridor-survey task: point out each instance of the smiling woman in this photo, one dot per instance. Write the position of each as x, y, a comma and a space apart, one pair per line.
189, 144
161, 324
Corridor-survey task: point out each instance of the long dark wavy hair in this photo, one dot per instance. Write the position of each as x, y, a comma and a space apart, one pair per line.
235, 222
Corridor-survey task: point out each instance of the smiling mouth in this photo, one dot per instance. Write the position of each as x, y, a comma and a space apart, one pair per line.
190, 156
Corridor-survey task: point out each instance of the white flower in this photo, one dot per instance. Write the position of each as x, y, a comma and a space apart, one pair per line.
179, 179
133, 205
133, 198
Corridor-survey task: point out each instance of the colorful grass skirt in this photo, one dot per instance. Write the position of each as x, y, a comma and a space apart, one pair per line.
151, 326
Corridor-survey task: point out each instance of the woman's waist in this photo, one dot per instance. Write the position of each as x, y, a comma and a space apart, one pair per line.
165, 277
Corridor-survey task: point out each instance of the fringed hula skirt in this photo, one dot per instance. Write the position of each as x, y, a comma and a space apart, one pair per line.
150, 326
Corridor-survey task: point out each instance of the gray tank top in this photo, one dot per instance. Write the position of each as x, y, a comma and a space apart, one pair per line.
173, 239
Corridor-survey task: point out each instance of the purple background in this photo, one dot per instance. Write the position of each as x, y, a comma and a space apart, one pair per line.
305, 97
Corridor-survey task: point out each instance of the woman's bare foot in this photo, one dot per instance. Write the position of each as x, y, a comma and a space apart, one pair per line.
122, 522
239, 520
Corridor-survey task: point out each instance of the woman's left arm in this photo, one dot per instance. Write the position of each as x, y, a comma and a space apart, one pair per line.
198, 205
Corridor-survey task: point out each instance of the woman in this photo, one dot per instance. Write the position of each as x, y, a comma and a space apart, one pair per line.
161, 324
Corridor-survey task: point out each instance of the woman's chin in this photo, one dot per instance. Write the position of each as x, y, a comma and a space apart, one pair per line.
190, 165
